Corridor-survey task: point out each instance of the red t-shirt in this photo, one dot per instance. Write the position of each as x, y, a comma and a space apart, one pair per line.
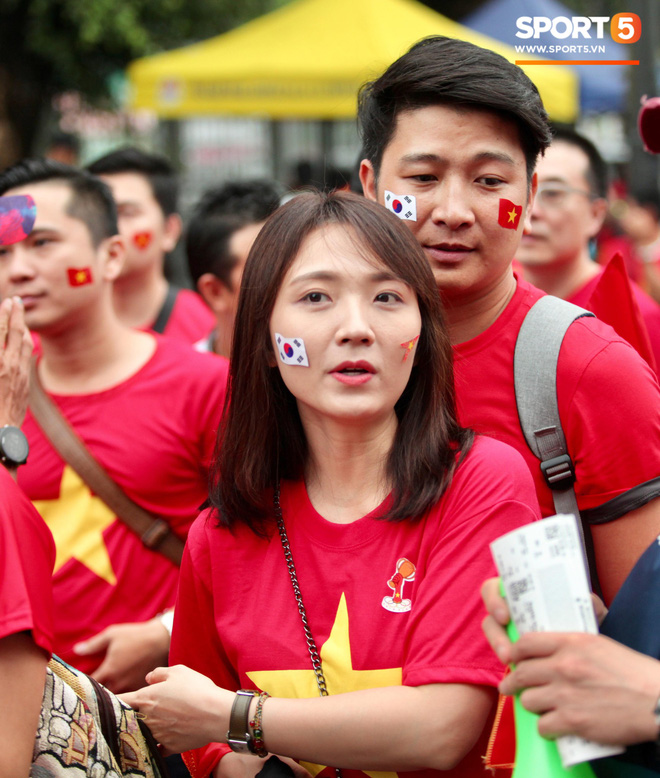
236, 619
649, 309
154, 434
190, 319
27, 555
608, 399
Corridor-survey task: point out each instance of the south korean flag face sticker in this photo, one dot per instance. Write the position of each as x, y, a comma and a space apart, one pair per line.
404, 206
291, 350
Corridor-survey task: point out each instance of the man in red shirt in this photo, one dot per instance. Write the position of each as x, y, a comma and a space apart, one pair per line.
146, 407
145, 189
451, 134
569, 209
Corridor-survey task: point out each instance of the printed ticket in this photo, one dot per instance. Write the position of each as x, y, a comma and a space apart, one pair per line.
542, 570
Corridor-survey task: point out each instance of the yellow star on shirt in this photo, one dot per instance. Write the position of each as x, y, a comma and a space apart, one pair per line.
77, 520
339, 674
512, 215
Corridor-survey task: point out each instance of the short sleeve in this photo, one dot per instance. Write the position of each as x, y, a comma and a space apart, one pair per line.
492, 493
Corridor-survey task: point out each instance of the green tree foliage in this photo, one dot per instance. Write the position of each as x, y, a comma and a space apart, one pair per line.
47, 46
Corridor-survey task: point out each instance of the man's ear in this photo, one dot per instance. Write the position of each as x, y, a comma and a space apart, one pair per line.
368, 180
172, 232
113, 253
214, 293
599, 208
534, 185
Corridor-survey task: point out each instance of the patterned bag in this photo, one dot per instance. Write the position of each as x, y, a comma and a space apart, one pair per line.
85, 730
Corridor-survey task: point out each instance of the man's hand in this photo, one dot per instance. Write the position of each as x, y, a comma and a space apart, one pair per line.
131, 651
585, 685
15, 352
498, 617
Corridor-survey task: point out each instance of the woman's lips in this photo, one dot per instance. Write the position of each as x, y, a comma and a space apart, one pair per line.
352, 378
353, 373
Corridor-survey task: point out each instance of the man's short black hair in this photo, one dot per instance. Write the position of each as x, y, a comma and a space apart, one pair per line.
596, 169
447, 71
220, 213
91, 200
647, 197
155, 168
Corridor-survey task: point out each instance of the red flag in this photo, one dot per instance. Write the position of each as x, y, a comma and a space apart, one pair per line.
79, 276
613, 301
648, 124
509, 215
501, 752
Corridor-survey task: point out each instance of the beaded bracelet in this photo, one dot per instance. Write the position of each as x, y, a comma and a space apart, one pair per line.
257, 745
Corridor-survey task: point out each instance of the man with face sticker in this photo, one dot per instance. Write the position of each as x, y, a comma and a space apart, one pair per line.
458, 130
145, 189
569, 209
146, 407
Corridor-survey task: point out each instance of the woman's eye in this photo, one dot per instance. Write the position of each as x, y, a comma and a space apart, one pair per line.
315, 297
387, 297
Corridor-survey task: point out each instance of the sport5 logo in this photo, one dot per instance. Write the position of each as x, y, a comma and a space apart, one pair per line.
623, 27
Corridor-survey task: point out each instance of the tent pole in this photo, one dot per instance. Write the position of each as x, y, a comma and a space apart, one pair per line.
327, 127
276, 160
170, 141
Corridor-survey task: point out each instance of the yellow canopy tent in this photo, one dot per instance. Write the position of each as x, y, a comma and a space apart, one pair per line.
306, 61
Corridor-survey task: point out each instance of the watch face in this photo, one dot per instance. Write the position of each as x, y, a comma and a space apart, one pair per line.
13, 445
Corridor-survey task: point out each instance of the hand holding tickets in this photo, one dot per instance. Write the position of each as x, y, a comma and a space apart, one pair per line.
545, 582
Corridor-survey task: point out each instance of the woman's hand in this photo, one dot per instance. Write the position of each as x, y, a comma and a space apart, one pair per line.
182, 708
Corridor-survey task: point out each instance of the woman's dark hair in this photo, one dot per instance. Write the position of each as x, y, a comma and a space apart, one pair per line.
262, 438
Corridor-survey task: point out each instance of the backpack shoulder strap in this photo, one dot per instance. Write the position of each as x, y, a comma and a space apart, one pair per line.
535, 379
166, 309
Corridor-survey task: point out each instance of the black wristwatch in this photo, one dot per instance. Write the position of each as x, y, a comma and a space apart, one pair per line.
14, 447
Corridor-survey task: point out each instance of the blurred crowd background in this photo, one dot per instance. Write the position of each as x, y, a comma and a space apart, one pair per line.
267, 88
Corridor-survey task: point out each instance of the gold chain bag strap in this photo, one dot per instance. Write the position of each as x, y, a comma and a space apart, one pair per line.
311, 643
154, 532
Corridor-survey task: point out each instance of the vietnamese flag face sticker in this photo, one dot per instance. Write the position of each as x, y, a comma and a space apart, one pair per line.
79, 276
409, 345
142, 240
509, 216
17, 215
